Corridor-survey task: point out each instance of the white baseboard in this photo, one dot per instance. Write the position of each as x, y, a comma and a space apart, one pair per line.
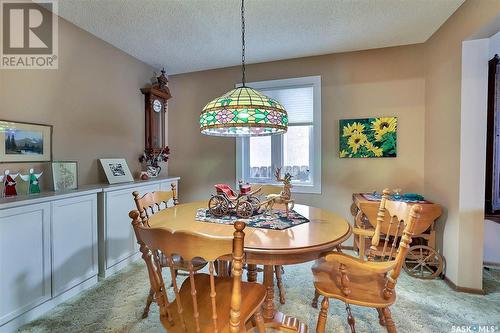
491, 263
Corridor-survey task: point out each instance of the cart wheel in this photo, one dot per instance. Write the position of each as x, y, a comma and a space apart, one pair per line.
423, 262
218, 205
244, 209
255, 202
354, 209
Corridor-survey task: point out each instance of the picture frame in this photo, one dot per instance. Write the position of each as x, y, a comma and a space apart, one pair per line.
64, 175
374, 137
25, 142
116, 170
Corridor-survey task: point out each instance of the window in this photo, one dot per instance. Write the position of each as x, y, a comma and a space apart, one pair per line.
299, 150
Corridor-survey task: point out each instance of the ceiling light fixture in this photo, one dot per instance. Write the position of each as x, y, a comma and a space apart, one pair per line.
243, 111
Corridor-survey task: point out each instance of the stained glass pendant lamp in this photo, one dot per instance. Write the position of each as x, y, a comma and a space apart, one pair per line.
243, 111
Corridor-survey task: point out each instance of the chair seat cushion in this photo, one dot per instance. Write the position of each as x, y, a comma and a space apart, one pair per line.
252, 296
366, 287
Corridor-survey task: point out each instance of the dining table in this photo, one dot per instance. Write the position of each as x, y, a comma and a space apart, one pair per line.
305, 242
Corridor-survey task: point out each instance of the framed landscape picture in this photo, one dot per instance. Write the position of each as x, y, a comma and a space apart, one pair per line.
116, 170
25, 142
368, 137
65, 175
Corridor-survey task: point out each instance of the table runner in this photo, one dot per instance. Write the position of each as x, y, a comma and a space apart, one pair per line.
277, 222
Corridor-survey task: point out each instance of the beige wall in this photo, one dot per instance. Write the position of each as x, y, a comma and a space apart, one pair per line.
92, 100
359, 84
94, 103
442, 136
421, 84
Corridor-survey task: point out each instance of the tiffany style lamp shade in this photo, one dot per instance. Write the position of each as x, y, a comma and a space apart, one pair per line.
243, 112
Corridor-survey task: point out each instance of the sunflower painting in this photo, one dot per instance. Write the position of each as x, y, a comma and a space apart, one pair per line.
368, 137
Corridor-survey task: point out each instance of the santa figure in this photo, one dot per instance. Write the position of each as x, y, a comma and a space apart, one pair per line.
9, 182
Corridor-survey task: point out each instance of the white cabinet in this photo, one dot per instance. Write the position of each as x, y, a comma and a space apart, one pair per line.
48, 252
117, 243
53, 245
74, 242
120, 243
24, 259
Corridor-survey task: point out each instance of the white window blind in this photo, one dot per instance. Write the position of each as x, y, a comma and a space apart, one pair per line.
298, 151
298, 102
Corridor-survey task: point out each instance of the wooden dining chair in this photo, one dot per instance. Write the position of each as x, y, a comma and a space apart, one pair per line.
278, 269
371, 282
204, 302
371, 240
149, 204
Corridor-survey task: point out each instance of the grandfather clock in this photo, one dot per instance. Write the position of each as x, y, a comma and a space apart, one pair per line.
156, 97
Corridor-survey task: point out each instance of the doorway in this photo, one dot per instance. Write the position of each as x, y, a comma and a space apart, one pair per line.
492, 181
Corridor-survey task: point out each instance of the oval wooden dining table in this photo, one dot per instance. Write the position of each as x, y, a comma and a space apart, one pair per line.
305, 242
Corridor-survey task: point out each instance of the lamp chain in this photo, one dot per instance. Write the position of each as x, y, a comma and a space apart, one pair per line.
243, 42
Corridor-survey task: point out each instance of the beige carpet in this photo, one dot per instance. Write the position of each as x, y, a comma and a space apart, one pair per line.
115, 305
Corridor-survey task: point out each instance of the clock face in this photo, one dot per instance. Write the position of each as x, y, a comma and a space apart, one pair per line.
157, 105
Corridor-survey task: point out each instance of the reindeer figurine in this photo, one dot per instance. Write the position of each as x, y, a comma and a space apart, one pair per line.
285, 196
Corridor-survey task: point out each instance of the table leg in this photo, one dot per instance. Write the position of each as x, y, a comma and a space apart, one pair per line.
268, 305
222, 268
273, 318
251, 273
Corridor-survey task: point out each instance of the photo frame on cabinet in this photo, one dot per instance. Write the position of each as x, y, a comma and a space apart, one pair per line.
116, 170
25, 142
65, 175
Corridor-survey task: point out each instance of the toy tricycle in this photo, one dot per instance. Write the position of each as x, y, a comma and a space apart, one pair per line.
225, 201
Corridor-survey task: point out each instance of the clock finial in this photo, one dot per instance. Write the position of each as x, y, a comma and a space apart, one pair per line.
162, 80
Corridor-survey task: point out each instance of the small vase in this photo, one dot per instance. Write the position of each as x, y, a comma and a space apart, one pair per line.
153, 171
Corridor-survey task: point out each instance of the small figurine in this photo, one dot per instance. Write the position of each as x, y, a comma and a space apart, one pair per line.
144, 175
33, 179
225, 202
284, 197
9, 183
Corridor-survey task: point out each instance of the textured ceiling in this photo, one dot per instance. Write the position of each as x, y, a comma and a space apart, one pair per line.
191, 35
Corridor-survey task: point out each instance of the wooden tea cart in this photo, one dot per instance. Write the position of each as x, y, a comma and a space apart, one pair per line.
422, 260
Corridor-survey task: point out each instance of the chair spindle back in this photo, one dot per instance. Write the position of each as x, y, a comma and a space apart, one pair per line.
397, 234
390, 230
152, 202
188, 246
411, 214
